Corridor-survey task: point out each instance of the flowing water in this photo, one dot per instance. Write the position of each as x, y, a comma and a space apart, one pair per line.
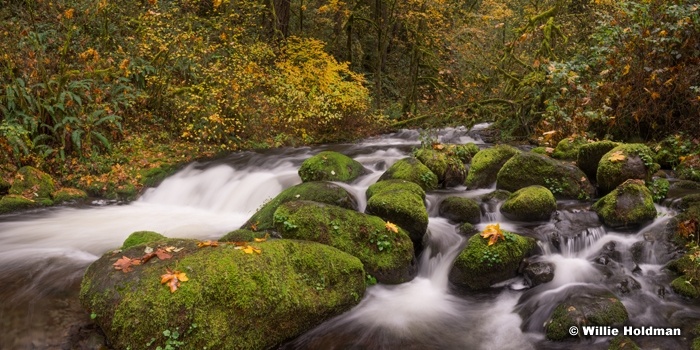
44, 253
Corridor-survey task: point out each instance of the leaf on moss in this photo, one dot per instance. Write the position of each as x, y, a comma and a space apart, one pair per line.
208, 244
125, 264
391, 227
173, 279
250, 250
493, 233
616, 156
267, 235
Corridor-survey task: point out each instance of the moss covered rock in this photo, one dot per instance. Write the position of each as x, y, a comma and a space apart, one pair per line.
683, 286
464, 152
321, 191
685, 227
232, 300
32, 183
386, 255
689, 168
330, 166
562, 179
589, 156
13, 202
568, 148
242, 235
598, 309
629, 205
460, 209
142, 237
479, 265
532, 203
401, 204
395, 185
486, 164
67, 194
411, 169
627, 161
623, 343
449, 169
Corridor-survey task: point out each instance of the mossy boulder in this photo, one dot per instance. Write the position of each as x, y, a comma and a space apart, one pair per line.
528, 169
13, 202
320, 191
689, 168
680, 229
589, 156
386, 255
68, 194
464, 152
232, 300
532, 203
479, 265
486, 164
32, 183
242, 235
623, 343
142, 237
597, 309
449, 169
683, 286
460, 209
395, 185
401, 205
629, 205
627, 161
330, 166
411, 169
568, 148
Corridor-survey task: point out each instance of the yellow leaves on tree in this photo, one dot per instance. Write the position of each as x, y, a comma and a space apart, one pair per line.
493, 233
391, 227
173, 279
616, 156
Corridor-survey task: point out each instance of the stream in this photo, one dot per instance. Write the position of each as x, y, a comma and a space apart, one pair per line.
44, 253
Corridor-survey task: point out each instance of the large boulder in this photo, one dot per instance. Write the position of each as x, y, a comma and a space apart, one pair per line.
411, 169
627, 161
13, 202
481, 265
460, 209
68, 194
449, 169
321, 191
231, 300
562, 179
331, 166
568, 148
532, 203
630, 204
585, 309
401, 204
386, 255
486, 164
589, 156
32, 183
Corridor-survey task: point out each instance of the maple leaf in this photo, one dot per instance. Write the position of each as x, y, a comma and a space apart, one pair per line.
125, 263
208, 244
493, 233
267, 235
391, 227
616, 156
162, 254
173, 279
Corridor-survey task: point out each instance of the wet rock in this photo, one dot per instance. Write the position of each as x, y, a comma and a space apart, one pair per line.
32, 183
467, 229
629, 205
589, 156
625, 284
600, 309
460, 209
13, 202
608, 253
411, 169
627, 161
683, 286
562, 179
68, 194
496, 196
331, 166
402, 203
449, 169
486, 164
532, 203
538, 272
386, 255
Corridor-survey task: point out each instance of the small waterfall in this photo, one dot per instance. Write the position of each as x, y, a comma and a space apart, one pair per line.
570, 246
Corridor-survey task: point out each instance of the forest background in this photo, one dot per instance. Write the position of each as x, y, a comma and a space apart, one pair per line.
108, 95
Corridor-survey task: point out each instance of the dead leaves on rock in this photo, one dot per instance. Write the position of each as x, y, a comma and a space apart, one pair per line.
391, 227
125, 263
493, 233
616, 156
244, 246
173, 279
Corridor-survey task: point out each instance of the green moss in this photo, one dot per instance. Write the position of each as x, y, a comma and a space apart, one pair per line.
142, 237
448, 168
154, 176
67, 194
623, 343
568, 148
460, 209
13, 202
268, 298
486, 164
496, 196
401, 207
411, 169
30, 181
658, 187
589, 156
467, 229
684, 287
532, 203
540, 150
464, 152
689, 168
696, 344
562, 179
676, 234
631, 204
322, 192
590, 310
242, 235
479, 265
395, 185
330, 166
386, 255
638, 163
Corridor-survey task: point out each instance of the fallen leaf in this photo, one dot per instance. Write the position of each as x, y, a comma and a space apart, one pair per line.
172, 249
250, 250
125, 263
173, 279
148, 250
162, 254
493, 233
208, 244
616, 156
267, 235
438, 146
391, 227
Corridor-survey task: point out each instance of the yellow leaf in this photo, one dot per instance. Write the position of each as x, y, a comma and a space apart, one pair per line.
217, 3
626, 70
267, 235
655, 95
616, 156
493, 233
182, 277
391, 227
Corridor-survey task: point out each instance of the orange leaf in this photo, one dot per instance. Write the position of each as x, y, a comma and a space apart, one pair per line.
267, 235
391, 227
162, 254
208, 244
616, 156
493, 233
173, 279
125, 264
